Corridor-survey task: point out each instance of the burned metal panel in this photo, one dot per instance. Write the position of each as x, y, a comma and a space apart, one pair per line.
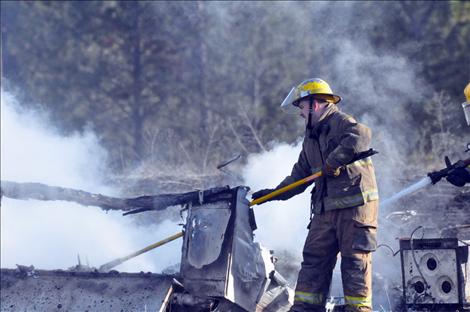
443, 285
209, 278
206, 228
248, 272
83, 291
432, 271
240, 273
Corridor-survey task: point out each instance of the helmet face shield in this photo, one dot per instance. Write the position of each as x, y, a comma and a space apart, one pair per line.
287, 105
466, 111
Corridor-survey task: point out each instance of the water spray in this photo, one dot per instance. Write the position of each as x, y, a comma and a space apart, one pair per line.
431, 179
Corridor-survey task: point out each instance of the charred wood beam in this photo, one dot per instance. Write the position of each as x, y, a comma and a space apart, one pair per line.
39, 191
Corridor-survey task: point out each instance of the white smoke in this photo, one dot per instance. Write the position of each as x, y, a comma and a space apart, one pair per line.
282, 225
49, 235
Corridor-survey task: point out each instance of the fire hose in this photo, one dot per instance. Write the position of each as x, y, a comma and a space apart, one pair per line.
430, 179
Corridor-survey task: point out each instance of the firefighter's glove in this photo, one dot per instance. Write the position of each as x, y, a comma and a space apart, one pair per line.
331, 171
459, 177
262, 193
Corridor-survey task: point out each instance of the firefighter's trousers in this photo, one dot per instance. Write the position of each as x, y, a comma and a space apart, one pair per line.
350, 232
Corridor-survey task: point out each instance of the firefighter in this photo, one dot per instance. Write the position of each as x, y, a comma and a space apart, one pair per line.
461, 176
344, 200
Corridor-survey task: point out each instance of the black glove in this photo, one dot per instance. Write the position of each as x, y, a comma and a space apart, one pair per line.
261, 193
330, 171
458, 177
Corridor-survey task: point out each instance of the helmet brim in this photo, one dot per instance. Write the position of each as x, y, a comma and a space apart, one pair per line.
332, 98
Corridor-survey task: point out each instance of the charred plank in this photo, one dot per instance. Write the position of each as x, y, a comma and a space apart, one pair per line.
39, 191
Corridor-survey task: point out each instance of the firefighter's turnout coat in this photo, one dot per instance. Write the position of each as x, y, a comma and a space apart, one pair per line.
335, 140
344, 213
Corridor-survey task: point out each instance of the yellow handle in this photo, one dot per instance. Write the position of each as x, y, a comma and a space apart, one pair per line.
111, 264
286, 188
155, 245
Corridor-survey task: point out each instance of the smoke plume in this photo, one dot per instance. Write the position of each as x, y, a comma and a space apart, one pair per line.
50, 235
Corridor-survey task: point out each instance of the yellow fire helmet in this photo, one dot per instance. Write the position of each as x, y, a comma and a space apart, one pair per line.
466, 104
314, 86
466, 91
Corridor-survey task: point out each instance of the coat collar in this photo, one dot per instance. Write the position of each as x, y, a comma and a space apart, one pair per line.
319, 127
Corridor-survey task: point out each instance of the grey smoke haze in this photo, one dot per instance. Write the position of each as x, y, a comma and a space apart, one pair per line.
49, 235
377, 85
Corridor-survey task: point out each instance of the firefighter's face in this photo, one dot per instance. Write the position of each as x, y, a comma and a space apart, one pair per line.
317, 108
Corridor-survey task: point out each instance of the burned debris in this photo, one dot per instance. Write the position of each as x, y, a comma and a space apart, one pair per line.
222, 268
83, 291
128, 205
